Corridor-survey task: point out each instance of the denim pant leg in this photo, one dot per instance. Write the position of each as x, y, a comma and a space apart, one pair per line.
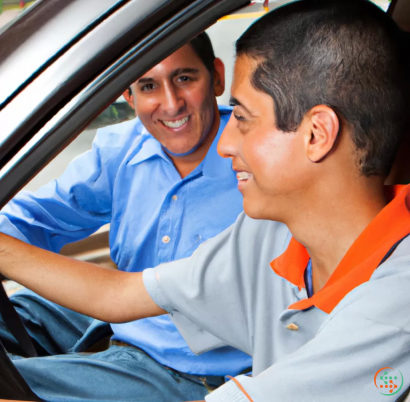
117, 374
54, 329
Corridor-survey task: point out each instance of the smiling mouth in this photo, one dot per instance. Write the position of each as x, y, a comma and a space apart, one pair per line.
175, 123
242, 176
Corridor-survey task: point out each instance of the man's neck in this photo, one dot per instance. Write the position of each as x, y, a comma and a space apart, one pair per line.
339, 215
186, 164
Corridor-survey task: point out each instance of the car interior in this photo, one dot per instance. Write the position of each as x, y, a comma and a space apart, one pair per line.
61, 100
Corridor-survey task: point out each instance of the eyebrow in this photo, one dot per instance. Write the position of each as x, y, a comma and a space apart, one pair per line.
145, 80
235, 102
174, 73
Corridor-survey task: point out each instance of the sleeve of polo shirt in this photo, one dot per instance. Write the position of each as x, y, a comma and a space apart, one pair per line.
211, 292
368, 330
73, 206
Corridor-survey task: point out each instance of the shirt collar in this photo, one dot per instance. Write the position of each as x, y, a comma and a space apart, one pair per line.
213, 165
390, 226
150, 148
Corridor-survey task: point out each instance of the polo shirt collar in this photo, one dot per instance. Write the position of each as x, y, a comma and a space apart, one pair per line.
213, 165
389, 227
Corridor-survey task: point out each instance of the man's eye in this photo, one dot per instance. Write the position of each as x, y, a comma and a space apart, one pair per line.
239, 118
184, 78
147, 87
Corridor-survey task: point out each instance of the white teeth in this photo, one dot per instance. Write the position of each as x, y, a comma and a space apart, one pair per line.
177, 123
243, 176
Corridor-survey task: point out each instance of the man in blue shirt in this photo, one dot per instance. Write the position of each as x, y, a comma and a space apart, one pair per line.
161, 185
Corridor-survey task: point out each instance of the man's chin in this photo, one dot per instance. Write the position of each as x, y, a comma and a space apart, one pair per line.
184, 150
252, 210
256, 210
181, 147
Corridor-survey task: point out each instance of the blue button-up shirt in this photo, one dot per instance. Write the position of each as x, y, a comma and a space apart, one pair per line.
127, 180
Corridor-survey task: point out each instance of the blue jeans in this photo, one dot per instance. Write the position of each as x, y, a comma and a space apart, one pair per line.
64, 372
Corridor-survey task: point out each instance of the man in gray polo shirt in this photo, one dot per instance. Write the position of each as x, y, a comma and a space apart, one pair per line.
320, 102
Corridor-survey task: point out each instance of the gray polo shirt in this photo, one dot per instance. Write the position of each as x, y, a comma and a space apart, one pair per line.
227, 294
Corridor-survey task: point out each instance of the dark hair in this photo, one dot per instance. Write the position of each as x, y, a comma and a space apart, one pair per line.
202, 46
346, 54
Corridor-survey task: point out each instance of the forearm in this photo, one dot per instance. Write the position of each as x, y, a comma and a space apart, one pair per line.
105, 294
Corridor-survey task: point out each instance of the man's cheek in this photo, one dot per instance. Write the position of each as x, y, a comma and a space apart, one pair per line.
145, 115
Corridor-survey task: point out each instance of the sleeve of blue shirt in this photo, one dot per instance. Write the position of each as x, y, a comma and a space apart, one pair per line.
76, 204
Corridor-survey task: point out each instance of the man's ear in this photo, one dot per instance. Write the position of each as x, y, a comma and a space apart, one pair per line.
219, 77
321, 137
129, 97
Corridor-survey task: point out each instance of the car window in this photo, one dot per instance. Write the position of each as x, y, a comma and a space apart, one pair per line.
96, 248
10, 10
117, 112
120, 111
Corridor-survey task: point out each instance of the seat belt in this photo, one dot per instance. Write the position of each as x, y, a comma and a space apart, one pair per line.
15, 325
12, 384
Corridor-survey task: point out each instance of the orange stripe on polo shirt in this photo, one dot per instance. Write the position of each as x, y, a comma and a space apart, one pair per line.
390, 226
239, 385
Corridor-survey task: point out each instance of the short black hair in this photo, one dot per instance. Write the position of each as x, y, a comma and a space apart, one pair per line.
202, 46
346, 54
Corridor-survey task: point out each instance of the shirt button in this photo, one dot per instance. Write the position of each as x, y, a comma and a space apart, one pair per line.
174, 197
292, 327
166, 239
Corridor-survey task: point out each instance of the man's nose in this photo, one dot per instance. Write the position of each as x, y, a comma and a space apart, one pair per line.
229, 142
172, 102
